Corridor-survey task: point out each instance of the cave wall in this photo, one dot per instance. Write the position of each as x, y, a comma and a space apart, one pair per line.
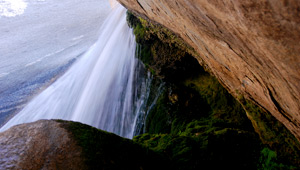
251, 47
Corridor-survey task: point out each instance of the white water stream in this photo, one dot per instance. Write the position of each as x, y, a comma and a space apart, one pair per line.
99, 89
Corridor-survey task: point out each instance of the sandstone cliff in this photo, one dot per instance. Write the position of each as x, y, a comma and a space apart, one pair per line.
251, 47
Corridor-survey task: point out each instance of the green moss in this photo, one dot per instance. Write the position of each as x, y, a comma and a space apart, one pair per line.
224, 109
139, 32
144, 54
207, 126
274, 134
103, 150
196, 107
225, 149
159, 49
269, 161
158, 120
179, 149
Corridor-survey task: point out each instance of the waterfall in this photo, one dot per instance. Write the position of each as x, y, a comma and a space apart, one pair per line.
100, 89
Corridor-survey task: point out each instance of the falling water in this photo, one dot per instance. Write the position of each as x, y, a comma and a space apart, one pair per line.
100, 88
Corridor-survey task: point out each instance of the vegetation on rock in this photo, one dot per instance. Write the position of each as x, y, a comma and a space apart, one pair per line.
103, 150
196, 121
275, 135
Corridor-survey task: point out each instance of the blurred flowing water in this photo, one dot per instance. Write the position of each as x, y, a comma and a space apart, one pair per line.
39, 41
105, 88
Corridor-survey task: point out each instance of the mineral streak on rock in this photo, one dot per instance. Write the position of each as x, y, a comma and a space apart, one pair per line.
252, 47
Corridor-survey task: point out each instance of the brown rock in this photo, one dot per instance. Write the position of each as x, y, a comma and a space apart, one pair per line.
39, 145
252, 47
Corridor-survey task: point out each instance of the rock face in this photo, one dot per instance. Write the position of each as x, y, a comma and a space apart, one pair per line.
251, 47
57, 144
40, 145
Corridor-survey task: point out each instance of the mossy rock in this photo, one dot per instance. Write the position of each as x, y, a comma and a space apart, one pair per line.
194, 103
158, 119
103, 150
274, 135
230, 148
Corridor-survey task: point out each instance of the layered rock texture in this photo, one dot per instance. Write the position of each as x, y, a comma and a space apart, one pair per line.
252, 47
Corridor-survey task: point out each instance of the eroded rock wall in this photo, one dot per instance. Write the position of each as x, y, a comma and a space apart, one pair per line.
252, 47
